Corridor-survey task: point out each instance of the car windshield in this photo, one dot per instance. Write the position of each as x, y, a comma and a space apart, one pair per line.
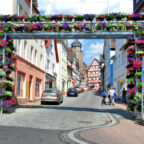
50, 91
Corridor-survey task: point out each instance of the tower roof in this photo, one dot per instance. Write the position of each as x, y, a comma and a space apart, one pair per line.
76, 43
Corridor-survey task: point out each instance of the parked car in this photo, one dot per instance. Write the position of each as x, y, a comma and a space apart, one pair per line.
72, 92
78, 89
51, 95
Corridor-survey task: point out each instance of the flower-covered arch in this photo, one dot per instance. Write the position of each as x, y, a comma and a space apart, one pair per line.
79, 24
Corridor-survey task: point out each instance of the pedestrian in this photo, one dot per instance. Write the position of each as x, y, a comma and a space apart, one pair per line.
112, 95
108, 94
104, 97
124, 95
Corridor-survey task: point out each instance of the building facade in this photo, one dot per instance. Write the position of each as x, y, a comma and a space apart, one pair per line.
138, 6
50, 67
77, 49
30, 54
61, 66
119, 64
108, 52
93, 75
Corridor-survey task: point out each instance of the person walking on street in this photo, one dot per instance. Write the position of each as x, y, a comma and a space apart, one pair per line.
108, 94
112, 95
104, 97
124, 95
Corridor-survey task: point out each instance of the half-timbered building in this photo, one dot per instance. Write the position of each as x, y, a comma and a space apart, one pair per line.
93, 75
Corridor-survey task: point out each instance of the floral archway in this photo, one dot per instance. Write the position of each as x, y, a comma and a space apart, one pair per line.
88, 23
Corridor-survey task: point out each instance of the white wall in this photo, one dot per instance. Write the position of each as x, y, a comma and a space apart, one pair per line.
51, 59
61, 67
8, 7
119, 66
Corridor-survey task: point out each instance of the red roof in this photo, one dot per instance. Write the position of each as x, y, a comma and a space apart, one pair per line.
47, 42
88, 66
68, 49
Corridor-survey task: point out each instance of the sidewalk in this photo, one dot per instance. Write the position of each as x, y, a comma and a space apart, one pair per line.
125, 132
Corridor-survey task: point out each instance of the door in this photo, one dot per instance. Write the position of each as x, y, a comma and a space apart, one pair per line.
30, 83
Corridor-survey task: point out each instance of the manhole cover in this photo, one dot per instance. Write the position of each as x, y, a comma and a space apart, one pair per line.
84, 122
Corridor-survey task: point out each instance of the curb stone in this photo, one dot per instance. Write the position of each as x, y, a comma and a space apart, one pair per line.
73, 136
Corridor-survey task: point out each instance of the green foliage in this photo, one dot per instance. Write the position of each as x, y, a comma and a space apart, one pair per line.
140, 53
130, 79
139, 84
138, 74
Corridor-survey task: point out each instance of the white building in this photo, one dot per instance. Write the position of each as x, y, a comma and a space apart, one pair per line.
29, 76
50, 67
119, 64
61, 67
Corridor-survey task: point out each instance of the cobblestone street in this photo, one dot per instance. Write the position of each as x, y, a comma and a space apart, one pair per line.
76, 112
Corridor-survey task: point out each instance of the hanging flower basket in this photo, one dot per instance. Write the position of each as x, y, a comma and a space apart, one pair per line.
140, 43
68, 18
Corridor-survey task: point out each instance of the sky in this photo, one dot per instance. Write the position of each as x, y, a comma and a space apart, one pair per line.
91, 48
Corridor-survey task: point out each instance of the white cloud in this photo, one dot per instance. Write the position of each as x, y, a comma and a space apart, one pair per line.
94, 50
85, 6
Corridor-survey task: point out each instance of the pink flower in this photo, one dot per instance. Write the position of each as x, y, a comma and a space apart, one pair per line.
102, 15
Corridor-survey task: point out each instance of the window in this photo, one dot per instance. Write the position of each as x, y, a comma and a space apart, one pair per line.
18, 46
37, 88
41, 58
53, 67
31, 56
36, 57
25, 49
20, 83
20, 10
48, 63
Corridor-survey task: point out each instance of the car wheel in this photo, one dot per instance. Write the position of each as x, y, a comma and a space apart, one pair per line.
58, 102
42, 103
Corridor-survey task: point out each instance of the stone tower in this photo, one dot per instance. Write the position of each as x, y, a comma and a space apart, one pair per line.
77, 49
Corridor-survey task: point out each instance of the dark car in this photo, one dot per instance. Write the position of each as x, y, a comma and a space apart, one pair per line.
51, 95
72, 92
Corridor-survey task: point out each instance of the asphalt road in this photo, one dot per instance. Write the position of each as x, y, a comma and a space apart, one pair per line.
44, 124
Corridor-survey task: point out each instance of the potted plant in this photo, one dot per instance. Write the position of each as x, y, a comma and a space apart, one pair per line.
2, 73
139, 86
3, 43
78, 27
78, 17
28, 18
1, 65
140, 43
138, 75
68, 18
71, 26
89, 17
1, 34
48, 18
140, 54
100, 17
129, 26
110, 16
21, 18
120, 16
137, 16
57, 17
47, 27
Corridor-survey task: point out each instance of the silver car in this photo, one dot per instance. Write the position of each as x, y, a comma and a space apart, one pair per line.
51, 95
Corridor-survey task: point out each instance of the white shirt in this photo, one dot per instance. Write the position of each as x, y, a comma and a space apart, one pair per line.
111, 92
